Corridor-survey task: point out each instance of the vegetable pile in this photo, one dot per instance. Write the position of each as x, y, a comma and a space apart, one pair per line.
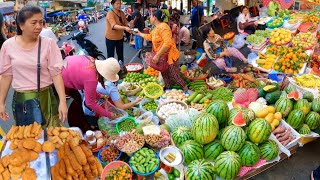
126, 125
144, 161
149, 106
158, 141
170, 108
175, 94
130, 143
122, 172
109, 153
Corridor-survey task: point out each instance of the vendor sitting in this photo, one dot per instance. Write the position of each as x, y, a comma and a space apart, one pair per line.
217, 50
244, 23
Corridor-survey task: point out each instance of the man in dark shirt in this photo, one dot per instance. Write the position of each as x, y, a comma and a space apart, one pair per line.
197, 18
138, 22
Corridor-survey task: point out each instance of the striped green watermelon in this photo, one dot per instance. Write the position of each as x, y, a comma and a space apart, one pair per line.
233, 138
305, 129
290, 88
313, 120
316, 105
269, 150
220, 133
191, 151
180, 135
250, 113
205, 128
296, 118
308, 96
249, 154
235, 114
213, 150
259, 130
200, 169
220, 110
283, 94
284, 105
303, 105
227, 165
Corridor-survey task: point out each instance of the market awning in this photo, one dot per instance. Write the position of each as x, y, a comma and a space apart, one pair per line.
6, 7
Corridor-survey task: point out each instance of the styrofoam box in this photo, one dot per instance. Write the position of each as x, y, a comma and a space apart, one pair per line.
294, 133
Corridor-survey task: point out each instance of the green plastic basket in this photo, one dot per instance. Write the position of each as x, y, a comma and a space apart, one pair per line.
126, 119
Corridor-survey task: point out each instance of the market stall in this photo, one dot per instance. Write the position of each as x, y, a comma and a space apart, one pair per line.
228, 126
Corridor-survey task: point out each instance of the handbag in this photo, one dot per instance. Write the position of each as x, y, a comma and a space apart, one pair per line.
162, 64
29, 111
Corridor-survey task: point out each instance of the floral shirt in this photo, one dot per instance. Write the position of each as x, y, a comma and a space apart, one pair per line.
211, 47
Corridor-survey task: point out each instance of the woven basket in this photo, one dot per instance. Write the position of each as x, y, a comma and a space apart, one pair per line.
162, 119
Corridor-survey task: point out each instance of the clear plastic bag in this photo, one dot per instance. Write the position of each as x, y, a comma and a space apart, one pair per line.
238, 41
148, 117
146, 100
122, 114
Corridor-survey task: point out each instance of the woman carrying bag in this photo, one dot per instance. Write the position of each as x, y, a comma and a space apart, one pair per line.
166, 54
32, 63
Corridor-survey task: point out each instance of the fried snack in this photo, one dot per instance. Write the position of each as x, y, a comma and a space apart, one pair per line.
1, 178
60, 152
25, 131
29, 174
6, 174
37, 148
64, 129
99, 166
69, 168
94, 171
55, 174
75, 164
64, 135
1, 168
55, 132
15, 176
32, 155
13, 146
29, 143
69, 177
91, 161
81, 157
16, 159
17, 169
48, 146
49, 131
20, 133
11, 132
62, 168
5, 161
86, 150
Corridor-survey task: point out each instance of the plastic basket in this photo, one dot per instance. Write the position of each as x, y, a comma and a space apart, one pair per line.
194, 79
105, 141
141, 67
146, 174
125, 119
272, 27
162, 119
113, 165
104, 162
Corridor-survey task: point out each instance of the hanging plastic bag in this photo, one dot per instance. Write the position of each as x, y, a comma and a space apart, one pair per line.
120, 114
238, 41
145, 117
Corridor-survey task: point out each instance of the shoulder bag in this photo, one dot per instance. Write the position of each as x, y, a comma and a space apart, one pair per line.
162, 65
29, 111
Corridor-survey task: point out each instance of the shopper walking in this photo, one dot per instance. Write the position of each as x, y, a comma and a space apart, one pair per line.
2, 31
163, 43
116, 24
18, 65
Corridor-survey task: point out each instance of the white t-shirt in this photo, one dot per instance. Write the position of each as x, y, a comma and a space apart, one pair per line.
242, 19
49, 33
184, 35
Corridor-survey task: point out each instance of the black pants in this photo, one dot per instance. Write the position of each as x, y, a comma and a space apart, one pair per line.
115, 44
250, 29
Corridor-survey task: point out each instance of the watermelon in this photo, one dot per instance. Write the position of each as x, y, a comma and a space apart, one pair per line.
180, 135
303, 105
220, 110
305, 129
316, 105
293, 95
296, 118
308, 96
233, 138
269, 150
200, 169
290, 88
238, 118
250, 113
313, 120
205, 128
259, 130
249, 154
227, 165
191, 151
213, 150
284, 105
283, 94
220, 133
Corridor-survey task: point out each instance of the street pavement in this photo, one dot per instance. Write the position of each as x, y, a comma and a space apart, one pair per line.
297, 167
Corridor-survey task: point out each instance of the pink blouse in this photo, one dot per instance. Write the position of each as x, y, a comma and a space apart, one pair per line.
22, 63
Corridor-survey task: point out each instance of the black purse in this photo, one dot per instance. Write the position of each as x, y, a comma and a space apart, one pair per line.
29, 111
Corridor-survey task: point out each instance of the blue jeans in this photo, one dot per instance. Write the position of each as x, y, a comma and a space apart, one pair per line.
27, 112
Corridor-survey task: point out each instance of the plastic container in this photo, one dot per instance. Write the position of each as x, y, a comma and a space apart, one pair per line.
194, 79
125, 119
146, 174
272, 27
141, 67
113, 165
230, 39
103, 162
227, 80
294, 133
276, 76
104, 135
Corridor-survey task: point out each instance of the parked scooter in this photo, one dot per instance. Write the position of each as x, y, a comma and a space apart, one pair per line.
87, 45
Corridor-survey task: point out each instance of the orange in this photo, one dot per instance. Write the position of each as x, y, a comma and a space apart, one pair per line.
278, 115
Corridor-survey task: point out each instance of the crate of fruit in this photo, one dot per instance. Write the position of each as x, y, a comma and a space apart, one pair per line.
286, 135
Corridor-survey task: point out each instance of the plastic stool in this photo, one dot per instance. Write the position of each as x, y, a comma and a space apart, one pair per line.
224, 23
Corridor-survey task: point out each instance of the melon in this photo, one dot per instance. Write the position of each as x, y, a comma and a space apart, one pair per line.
213, 150
227, 165
303, 105
238, 118
269, 150
305, 130
290, 88
308, 96
313, 120
296, 118
249, 154
220, 110
284, 105
293, 95
200, 169
205, 128
316, 105
180, 135
191, 151
259, 130
233, 138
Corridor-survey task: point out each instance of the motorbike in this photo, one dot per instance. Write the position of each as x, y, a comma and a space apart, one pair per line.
87, 45
67, 50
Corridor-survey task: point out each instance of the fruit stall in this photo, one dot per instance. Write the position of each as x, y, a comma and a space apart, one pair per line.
227, 126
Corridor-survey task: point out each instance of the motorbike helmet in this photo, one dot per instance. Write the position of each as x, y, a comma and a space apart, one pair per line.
81, 23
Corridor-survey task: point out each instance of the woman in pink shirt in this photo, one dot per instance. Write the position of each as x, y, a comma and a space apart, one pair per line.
18, 65
84, 73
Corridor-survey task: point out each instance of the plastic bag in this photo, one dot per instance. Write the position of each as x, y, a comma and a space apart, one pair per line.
148, 117
122, 114
105, 126
144, 101
238, 41
252, 57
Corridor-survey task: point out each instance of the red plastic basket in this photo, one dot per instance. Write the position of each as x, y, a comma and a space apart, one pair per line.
304, 27
113, 165
194, 79
141, 67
